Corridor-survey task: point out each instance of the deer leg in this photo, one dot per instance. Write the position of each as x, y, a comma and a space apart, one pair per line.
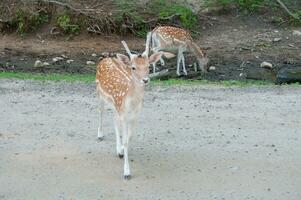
100, 135
155, 50
183, 63
162, 61
125, 142
179, 61
118, 129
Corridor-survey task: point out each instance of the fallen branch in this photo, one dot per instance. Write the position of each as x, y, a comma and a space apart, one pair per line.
287, 10
157, 74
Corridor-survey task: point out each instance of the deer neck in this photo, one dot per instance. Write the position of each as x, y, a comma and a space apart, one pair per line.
134, 85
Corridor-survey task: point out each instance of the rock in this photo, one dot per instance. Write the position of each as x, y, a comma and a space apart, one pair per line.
298, 33
56, 59
288, 75
277, 39
266, 65
241, 74
69, 61
89, 62
105, 54
94, 55
212, 68
258, 73
38, 63
45, 64
64, 56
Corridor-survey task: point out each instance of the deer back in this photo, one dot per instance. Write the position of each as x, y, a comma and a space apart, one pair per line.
172, 35
113, 81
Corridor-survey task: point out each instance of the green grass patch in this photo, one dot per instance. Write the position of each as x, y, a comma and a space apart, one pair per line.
227, 83
49, 77
89, 78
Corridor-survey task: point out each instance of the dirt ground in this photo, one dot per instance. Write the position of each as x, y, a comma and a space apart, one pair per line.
200, 142
235, 45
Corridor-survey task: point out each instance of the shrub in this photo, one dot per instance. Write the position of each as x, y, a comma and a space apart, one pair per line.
25, 22
64, 22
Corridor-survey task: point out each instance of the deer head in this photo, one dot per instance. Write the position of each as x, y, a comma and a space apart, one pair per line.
139, 63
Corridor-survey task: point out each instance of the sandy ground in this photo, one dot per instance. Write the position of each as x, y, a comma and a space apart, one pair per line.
203, 142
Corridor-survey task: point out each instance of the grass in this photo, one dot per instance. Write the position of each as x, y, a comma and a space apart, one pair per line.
89, 78
227, 83
49, 77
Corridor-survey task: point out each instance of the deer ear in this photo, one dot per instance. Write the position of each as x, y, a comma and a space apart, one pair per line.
124, 59
168, 55
155, 57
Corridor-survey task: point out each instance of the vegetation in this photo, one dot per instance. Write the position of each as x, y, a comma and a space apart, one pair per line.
128, 16
88, 78
65, 23
137, 17
25, 22
250, 6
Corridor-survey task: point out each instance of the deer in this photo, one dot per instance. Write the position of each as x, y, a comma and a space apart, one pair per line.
120, 82
168, 38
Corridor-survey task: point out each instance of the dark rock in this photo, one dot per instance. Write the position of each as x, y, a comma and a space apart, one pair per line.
289, 75
258, 73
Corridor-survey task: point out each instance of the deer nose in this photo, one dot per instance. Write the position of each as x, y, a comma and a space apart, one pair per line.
145, 80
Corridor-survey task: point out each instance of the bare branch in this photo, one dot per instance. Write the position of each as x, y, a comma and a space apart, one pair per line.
287, 10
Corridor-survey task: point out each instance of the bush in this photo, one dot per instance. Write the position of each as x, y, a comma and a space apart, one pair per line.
155, 11
64, 22
25, 22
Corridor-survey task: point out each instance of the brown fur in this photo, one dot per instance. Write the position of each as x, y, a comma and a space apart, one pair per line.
113, 81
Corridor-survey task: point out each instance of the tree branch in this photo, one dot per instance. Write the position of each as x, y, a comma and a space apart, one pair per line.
287, 10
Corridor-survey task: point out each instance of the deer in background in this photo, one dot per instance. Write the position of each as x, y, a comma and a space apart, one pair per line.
120, 82
168, 38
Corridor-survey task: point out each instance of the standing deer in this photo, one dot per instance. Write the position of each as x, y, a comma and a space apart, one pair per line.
168, 38
120, 82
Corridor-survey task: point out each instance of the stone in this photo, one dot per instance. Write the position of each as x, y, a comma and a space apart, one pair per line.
266, 65
212, 68
69, 61
289, 75
89, 62
38, 63
46, 64
105, 54
298, 33
56, 59
94, 55
277, 39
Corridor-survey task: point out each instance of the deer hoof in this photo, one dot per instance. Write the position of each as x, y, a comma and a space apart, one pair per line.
120, 156
99, 139
127, 177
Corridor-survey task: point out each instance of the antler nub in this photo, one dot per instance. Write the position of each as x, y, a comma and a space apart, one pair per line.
148, 38
126, 48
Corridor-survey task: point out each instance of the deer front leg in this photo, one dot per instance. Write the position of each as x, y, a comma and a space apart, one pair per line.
118, 130
100, 124
125, 143
155, 50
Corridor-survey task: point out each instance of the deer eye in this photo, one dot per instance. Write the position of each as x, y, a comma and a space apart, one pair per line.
133, 68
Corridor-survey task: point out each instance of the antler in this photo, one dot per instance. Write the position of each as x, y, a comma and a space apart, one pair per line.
148, 37
126, 48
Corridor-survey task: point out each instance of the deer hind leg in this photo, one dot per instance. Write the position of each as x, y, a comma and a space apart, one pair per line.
100, 135
180, 53
118, 130
183, 63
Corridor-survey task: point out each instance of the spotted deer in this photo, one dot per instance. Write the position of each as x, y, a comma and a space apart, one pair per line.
168, 38
120, 82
